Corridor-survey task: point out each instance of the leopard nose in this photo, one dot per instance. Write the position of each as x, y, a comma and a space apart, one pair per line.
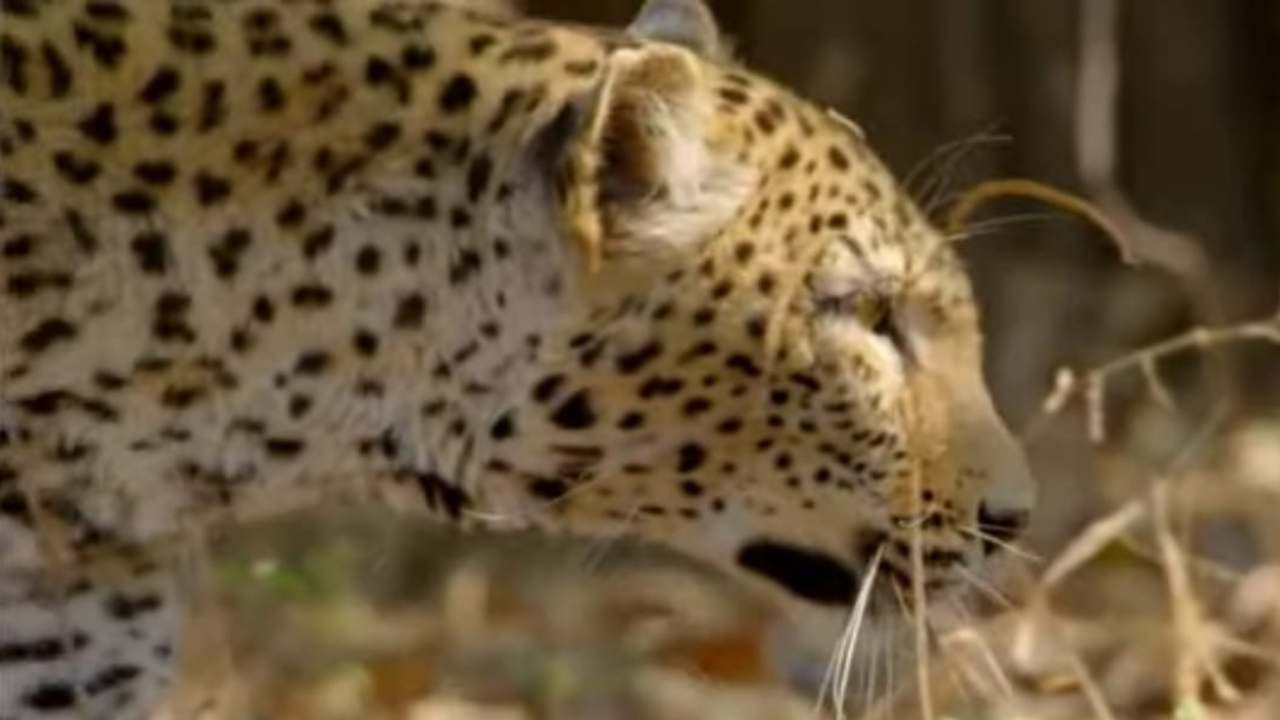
1005, 504
1007, 496
998, 527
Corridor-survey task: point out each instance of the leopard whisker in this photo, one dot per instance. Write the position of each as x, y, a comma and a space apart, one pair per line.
527, 514
839, 670
994, 225
945, 159
885, 704
869, 673
881, 680
985, 587
883, 648
595, 556
1011, 548
860, 611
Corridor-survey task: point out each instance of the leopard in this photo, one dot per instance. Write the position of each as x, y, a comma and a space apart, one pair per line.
500, 271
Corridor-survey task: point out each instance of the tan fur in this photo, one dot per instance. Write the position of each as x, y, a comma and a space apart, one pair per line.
258, 256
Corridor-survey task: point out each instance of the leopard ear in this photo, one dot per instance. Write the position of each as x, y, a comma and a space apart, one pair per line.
647, 170
687, 23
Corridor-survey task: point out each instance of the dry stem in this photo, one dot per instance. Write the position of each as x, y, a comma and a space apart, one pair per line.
1069, 384
964, 207
918, 593
1195, 654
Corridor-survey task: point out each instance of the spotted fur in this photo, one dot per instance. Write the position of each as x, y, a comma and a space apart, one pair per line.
255, 252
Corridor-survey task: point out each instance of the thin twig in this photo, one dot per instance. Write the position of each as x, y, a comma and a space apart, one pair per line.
1200, 338
1095, 538
1069, 384
1097, 148
1186, 612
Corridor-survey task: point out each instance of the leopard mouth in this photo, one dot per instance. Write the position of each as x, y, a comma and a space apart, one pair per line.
805, 573
819, 578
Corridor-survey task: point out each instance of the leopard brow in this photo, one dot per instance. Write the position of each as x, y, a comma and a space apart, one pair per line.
874, 279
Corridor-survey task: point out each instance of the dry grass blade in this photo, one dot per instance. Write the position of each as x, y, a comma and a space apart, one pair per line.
1023, 648
1246, 648
1194, 654
1093, 540
1186, 675
920, 605
970, 636
999, 224
1111, 528
1092, 692
958, 216
1204, 568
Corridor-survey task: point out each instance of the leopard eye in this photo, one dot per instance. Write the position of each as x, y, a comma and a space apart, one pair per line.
877, 315
872, 310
